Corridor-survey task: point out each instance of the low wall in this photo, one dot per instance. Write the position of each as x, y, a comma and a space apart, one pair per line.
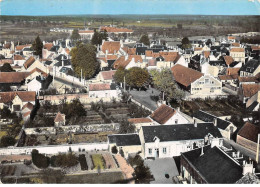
54, 149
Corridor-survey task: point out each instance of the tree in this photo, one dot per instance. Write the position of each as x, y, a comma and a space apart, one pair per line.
114, 150
164, 81
209, 42
37, 46
185, 43
75, 35
145, 39
126, 127
121, 152
83, 57
137, 77
120, 74
98, 37
6, 68
51, 176
142, 174
7, 141
74, 109
39, 160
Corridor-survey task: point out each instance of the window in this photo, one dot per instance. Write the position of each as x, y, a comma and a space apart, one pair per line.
176, 121
164, 150
206, 81
16, 108
150, 151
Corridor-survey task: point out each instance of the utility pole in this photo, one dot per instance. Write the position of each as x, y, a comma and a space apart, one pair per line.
81, 75
257, 151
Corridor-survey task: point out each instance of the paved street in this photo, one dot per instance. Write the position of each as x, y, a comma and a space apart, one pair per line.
144, 97
160, 168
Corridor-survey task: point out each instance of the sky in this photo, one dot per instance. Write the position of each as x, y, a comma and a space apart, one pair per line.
115, 7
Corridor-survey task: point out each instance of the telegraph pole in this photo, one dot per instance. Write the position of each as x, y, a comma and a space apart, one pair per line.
124, 83
257, 151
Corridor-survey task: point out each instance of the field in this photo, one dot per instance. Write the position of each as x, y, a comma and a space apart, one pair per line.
98, 161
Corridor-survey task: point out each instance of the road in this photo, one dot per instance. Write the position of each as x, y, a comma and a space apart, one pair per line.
144, 97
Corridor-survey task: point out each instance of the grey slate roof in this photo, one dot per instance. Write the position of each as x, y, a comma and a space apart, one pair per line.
179, 132
214, 165
124, 139
250, 66
252, 106
206, 117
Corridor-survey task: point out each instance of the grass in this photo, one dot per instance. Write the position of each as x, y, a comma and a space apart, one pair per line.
93, 178
3, 133
98, 161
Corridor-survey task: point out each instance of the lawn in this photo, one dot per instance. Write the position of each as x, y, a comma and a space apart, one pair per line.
93, 178
98, 161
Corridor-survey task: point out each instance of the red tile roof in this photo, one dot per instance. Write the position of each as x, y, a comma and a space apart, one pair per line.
247, 79
185, 76
232, 71
29, 62
237, 50
206, 54
148, 53
28, 105
108, 75
99, 87
197, 48
8, 61
250, 89
139, 120
6, 97
228, 77
48, 46
13, 77
123, 62
20, 47
59, 118
162, 114
255, 48
235, 44
231, 38
111, 47
249, 131
40, 71
7, 45
18, 57
229, 60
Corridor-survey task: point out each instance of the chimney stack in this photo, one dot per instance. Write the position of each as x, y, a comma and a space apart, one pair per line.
215, 122
195, 122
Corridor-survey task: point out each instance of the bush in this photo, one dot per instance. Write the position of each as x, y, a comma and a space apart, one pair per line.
83, 162
64, 160
7, 141
122, 153
40, 160
114, 150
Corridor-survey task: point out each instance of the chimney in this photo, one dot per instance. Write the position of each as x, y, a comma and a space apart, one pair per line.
215, 122
62, 60
106, 52
202, 152
247, 168
178, 109
195, 122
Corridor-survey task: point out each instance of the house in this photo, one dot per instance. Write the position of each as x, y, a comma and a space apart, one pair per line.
110, 48
139, 122
104, 90
129, 61
206, 68
19, 60
128, 143
247, 136
16, 100
246, 91
253, 103
238, 54
166, 115
86, 34
225, 127
8, 79
116, 30
60, 120
106, 63
35, 85
106, 76
214, 165
26, 111
250, 69
166, 141
185, 76
206, 86
31, 63
46, 50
